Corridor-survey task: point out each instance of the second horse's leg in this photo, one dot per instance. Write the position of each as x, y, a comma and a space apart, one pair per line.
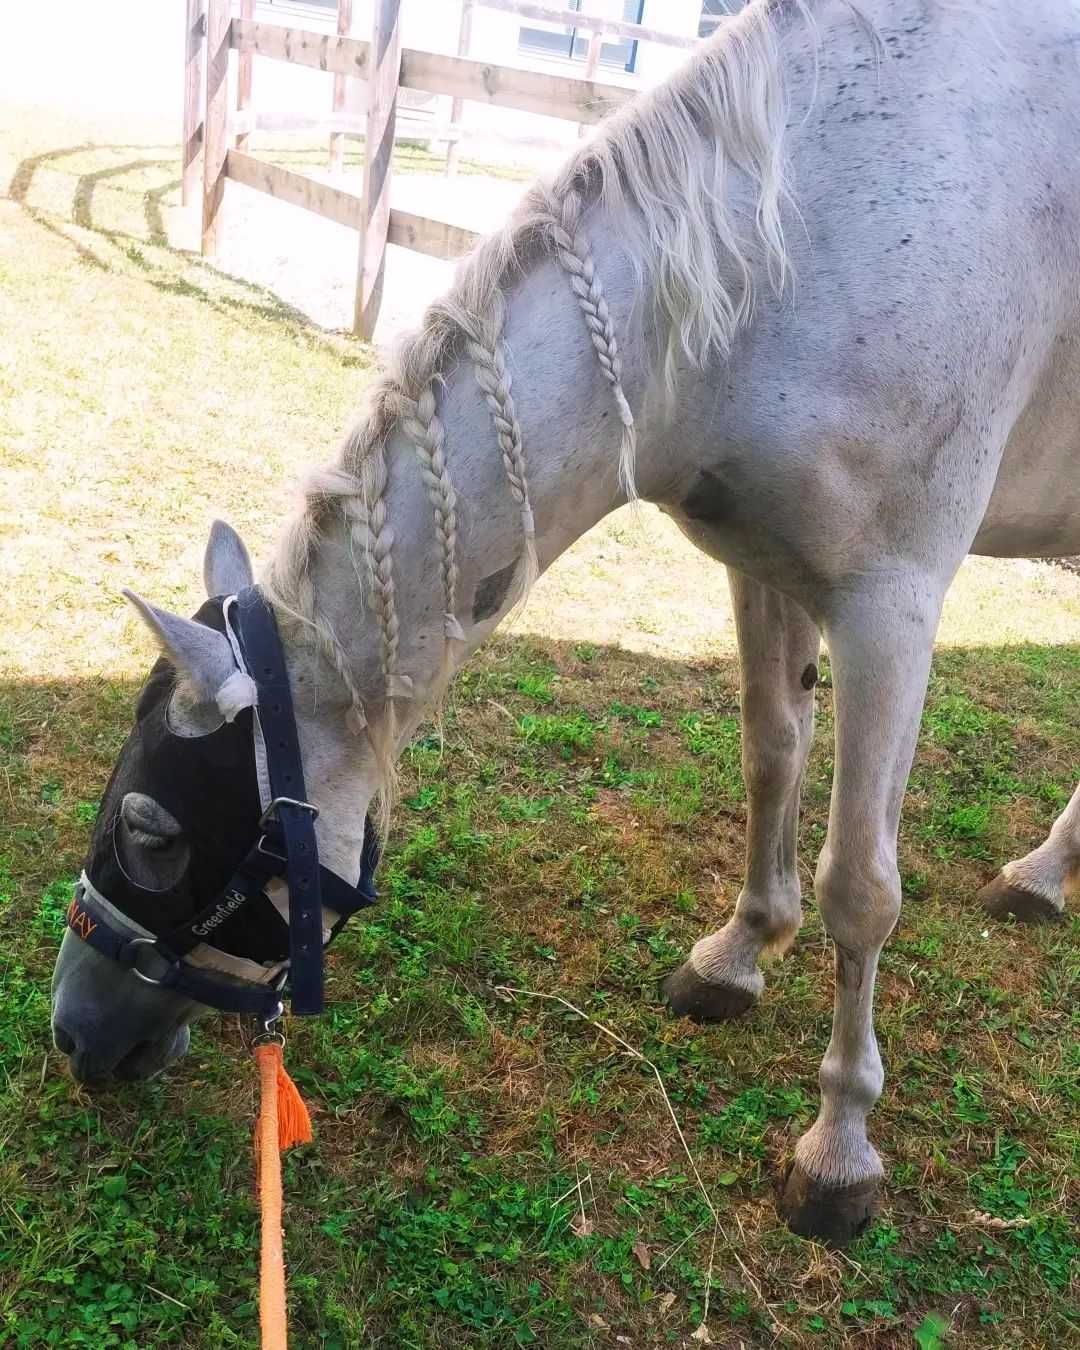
778, 653
1033, 888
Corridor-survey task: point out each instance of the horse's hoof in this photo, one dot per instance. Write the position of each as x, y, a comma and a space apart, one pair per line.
690, 996
1003, 901
832, 1215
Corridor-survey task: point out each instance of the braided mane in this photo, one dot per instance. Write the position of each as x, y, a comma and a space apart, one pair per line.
662, 161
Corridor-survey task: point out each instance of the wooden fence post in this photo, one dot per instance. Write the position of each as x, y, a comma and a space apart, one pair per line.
341, 84
592, 64
194, 42
457, 106
385, 71
215, 121
245, 62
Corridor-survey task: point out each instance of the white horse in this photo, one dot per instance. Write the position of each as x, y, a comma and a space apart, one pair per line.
818, 297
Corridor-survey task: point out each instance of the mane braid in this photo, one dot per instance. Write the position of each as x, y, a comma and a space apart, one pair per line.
493, 376
424, 428
576, 259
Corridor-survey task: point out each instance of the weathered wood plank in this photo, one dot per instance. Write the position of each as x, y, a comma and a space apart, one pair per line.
527, 90
382, 92
407, 128
317, 51
436, 238
216, 121
245, 61
337, 100
192, 137
297, 189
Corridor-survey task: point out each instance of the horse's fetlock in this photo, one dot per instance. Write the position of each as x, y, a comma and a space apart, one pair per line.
851, 1085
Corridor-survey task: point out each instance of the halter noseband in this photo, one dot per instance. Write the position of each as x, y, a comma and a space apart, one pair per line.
284, 848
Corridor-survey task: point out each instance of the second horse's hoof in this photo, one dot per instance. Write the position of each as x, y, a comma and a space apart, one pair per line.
690, 996
833, 1215
1002, 901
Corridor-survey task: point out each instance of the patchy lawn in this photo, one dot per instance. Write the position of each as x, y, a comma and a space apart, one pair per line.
490, 1169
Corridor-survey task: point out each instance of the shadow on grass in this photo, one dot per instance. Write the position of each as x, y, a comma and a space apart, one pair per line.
253, 299
995, 764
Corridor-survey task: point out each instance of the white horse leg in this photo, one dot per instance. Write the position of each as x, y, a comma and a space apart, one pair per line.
880, 647
1033, 888
778, 652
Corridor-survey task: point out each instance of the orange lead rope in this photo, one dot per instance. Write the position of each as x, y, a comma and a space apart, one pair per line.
283, 1121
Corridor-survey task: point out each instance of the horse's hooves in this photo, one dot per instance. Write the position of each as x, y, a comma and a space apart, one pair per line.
1002, 901
691, 996
833, 1215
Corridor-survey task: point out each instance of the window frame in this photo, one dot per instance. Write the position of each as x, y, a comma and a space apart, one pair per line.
571, 44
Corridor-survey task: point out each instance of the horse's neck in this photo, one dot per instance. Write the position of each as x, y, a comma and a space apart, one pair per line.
570, 440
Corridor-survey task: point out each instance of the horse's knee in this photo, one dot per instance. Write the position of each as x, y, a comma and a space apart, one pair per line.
859, 898
774, 752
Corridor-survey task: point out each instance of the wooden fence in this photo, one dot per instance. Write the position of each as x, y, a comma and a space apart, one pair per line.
218, 133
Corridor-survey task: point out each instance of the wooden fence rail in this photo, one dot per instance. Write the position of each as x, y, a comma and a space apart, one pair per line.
436, 238
221, 135
531, 91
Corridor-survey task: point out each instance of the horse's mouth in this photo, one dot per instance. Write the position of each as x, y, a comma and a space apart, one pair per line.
144, 1060
149, 1058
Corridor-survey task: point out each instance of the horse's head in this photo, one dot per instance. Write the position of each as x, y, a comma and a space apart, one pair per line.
179, 876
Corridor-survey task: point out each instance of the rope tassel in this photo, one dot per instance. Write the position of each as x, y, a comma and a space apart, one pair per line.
283, 1121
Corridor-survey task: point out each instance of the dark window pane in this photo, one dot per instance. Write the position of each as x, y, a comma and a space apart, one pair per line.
712, 10
621, 54
544, 42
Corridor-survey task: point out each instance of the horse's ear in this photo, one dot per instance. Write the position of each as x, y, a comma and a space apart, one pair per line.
226, 565
202, 655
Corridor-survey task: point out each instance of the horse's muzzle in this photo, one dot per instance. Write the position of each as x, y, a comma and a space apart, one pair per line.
94, 1061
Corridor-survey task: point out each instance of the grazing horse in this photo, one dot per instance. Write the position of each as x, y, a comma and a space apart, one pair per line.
817, 297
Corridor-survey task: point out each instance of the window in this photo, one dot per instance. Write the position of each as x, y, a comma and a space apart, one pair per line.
711, 11
572, 44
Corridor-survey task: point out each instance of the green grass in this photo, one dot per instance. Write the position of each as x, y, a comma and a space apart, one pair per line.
488, 1171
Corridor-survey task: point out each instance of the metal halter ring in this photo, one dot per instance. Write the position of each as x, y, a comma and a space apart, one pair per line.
148, 942
268, 1033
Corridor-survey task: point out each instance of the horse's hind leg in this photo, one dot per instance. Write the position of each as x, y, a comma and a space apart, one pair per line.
778, 652
1033, 889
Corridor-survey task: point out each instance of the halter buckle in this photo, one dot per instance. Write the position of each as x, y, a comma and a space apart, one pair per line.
271, 810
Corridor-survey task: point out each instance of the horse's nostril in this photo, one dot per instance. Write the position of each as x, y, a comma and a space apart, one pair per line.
63, 1042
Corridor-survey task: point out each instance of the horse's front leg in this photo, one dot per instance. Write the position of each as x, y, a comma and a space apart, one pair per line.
880, 646
1033, 888
778, 652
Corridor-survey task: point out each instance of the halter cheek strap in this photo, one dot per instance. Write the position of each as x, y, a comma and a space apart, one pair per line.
294, 815
285, 848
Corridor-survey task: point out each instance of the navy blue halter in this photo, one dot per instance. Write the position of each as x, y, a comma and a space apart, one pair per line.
284, 846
